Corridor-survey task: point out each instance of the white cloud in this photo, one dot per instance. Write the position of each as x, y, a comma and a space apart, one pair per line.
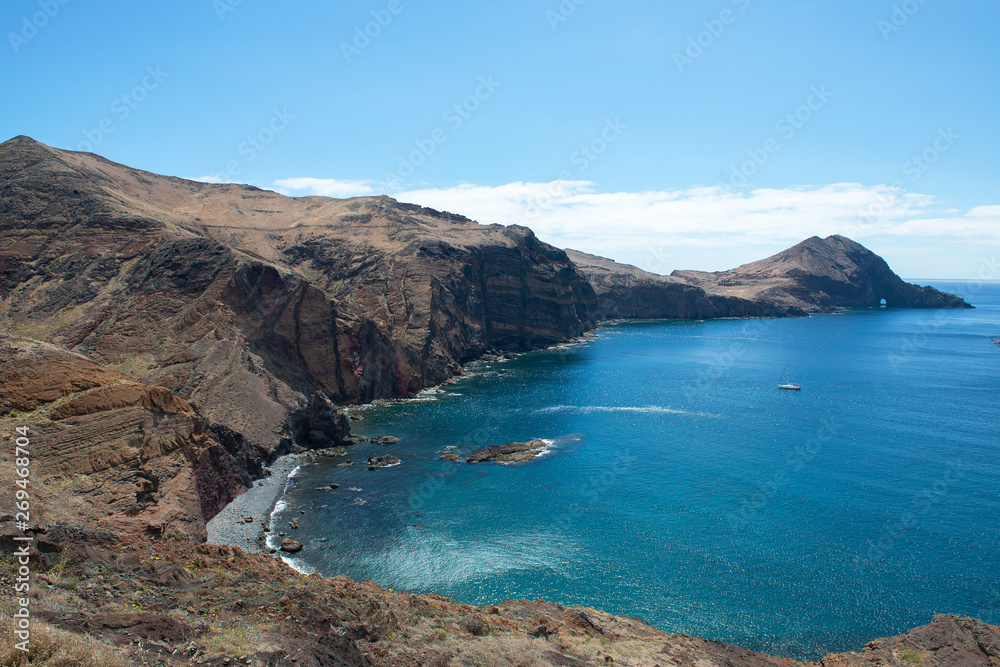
324, 187
656, 230
708, 228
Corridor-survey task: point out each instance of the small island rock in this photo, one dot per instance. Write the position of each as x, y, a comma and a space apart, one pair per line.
526, 450
376, 462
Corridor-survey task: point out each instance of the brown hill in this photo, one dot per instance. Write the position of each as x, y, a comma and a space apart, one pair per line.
820, 275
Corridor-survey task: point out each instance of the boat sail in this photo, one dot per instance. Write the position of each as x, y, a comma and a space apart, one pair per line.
783, 382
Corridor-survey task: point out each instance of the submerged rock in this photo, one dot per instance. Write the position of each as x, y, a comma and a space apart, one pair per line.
332, 451
384, 440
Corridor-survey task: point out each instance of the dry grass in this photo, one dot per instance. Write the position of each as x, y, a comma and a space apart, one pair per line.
499, 652
240, 641
52, 647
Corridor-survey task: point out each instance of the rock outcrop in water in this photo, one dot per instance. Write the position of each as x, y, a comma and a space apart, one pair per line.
512, 452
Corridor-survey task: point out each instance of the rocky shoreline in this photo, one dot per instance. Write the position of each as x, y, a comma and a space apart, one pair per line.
230, 527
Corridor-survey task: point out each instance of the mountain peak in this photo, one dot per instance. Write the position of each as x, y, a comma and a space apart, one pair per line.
820, 275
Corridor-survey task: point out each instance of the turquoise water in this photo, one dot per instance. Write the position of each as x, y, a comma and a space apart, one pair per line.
684, 488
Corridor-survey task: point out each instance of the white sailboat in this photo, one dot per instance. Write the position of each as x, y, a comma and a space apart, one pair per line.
783, 382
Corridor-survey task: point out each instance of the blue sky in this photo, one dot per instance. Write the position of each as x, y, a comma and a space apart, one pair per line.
668, 135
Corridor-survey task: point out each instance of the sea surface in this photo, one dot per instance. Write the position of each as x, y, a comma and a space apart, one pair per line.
683, 487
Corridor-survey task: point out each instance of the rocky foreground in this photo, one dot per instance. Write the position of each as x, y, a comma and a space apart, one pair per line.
141, 601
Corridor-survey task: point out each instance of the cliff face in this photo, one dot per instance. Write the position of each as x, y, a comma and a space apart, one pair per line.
818, 276
248, 303
815, 276
627, 292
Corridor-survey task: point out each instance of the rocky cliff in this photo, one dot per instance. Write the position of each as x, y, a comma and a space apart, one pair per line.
820, 276
248, 304
628, 292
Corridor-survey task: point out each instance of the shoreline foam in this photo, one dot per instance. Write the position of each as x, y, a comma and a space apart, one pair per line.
259, 502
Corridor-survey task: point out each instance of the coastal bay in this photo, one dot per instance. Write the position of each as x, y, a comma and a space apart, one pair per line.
684, 488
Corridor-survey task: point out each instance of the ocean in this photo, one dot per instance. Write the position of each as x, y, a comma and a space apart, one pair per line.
681, 486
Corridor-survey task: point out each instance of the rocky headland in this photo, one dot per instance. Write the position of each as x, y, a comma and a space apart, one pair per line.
820, 276
815, 276
165, 341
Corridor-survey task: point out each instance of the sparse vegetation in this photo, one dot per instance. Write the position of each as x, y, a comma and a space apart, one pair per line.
239, 641
52, 647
